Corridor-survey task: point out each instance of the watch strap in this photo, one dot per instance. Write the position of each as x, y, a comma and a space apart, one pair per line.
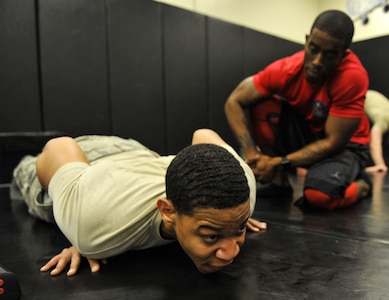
285, 163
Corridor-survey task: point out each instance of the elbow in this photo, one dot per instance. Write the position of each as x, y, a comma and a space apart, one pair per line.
233, 108
227, 106
335, 147
331, 147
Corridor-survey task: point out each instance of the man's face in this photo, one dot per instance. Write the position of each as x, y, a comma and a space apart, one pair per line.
322, 54
212, 237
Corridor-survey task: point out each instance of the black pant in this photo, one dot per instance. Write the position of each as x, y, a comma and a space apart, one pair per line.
332, 175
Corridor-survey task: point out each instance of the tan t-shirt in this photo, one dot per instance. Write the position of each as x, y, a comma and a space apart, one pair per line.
109, 207
377, 109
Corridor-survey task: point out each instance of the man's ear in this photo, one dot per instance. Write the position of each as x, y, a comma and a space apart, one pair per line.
167, 210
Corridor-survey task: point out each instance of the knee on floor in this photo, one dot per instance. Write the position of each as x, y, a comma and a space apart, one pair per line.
319, 199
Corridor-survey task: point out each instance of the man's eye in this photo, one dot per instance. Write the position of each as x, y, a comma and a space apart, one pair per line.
330, 56
210, 238
313, 49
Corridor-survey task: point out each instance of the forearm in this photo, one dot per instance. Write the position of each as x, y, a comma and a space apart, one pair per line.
241, 98
377, 155
376, 146
240, 127
312, 153
338, 132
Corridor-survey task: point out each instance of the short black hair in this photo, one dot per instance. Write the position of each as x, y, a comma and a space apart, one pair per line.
205, 176
337, 24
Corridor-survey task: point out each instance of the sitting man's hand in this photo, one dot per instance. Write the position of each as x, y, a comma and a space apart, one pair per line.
264, 167
72, 256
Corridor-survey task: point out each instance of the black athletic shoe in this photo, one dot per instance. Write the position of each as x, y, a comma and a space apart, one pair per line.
9, 285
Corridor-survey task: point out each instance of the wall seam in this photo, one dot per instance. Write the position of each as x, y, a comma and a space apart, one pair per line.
108, 66
39, 65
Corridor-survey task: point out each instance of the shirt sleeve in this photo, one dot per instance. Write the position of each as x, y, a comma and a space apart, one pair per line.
348, 89
249, 175
279, 74
265, 81
348, 94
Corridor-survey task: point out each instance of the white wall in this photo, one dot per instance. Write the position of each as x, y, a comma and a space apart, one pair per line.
287, 19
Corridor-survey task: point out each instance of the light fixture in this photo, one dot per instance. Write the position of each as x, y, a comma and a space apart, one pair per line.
361, 8
364, 19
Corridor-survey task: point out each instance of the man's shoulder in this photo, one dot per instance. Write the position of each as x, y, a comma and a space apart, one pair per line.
295, 59
286, 67
351, 62
290, 66
349, 70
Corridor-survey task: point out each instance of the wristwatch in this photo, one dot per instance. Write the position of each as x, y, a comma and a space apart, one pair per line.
285, 163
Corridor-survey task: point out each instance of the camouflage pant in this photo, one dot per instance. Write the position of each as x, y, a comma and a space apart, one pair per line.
25, 184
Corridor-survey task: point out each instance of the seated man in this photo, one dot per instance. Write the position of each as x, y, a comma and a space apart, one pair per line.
307, 111
108, 195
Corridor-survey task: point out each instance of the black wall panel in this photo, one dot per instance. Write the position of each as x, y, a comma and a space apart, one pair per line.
185, 75
74, 66
134, 68
262, 49
374, 55
135, 59
19, 80
225, 71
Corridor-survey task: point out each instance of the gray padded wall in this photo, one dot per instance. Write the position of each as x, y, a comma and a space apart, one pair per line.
74, 66
185, 75
19, 77
134, 68
262, 49
225, 69
136, 77
374, 55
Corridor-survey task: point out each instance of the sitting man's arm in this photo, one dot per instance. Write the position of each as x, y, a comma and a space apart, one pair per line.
338, 132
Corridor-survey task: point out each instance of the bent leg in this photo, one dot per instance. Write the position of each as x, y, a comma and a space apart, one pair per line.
334, 182
321, 200
356, 190
26, 186
96, 147
264, 118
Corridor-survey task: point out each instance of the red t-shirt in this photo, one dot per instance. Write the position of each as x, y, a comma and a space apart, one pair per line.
341, 95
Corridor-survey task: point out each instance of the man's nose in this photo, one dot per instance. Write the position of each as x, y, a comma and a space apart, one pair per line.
318, 60
229, 249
